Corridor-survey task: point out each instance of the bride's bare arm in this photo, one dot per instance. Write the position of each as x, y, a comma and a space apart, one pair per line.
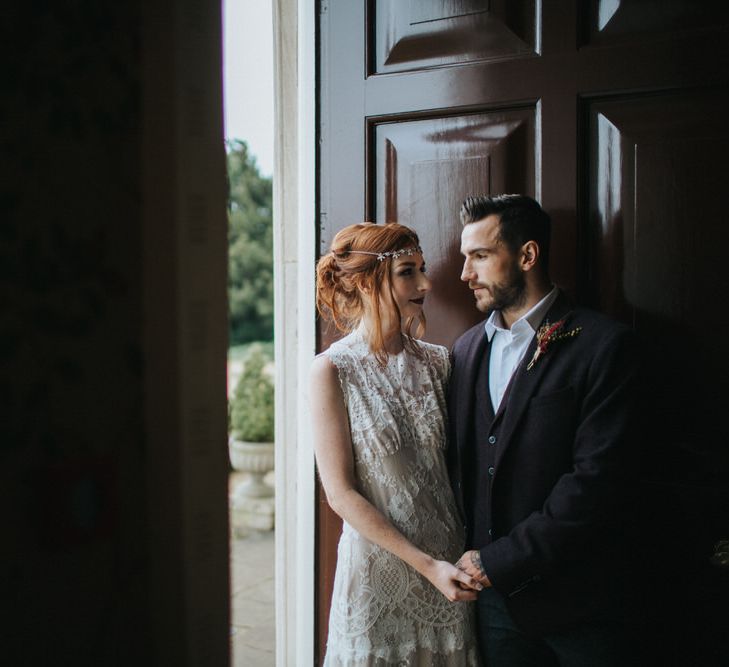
333, 450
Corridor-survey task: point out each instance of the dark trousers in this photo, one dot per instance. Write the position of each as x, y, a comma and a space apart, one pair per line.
597, 644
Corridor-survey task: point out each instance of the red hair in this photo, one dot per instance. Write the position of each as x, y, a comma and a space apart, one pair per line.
350, 285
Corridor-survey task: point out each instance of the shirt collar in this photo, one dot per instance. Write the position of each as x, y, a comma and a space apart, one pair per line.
529, 322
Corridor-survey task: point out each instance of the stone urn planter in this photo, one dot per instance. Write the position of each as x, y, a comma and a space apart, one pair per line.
256, 459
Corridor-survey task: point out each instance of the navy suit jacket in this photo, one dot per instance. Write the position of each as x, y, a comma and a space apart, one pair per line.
562, 473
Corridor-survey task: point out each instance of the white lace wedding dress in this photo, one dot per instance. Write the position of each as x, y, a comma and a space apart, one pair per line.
383, 612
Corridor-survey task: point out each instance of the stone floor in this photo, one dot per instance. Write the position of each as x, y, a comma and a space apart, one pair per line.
252, 599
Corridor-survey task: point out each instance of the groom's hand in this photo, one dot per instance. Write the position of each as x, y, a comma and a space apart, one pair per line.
470, 563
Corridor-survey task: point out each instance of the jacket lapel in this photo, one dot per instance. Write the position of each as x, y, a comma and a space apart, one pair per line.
478, 347
524, 383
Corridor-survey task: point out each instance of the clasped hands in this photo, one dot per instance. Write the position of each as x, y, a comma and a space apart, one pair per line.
470, 563
459, 582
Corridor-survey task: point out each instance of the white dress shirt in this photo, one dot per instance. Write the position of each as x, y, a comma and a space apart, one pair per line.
508, 346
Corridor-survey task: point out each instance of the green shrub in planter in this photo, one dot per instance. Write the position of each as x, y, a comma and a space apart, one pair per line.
251, 407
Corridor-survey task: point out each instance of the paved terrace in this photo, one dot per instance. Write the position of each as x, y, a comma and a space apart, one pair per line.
252, 599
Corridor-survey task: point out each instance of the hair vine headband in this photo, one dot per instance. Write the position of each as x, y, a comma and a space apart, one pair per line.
381, 256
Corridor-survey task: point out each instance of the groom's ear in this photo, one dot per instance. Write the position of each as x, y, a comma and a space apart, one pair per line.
529, 255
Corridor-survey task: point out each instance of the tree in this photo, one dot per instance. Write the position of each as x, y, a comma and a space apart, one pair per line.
250, 248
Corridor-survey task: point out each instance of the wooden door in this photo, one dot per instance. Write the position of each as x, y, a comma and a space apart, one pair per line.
612, 113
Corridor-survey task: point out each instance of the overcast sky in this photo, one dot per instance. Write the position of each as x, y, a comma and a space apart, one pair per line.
248, 77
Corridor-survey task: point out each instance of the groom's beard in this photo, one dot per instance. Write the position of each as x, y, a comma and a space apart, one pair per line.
506, 295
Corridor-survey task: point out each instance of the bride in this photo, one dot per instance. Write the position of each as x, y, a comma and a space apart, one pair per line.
378, 406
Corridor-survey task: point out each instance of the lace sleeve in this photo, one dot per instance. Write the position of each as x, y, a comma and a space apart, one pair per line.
339, 357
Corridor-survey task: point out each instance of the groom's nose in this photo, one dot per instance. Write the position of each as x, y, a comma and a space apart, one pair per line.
467, 272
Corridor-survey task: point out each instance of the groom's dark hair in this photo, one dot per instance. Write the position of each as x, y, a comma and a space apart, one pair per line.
521, 219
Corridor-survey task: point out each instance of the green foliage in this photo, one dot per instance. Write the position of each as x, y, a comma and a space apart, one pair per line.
240, 352
251, 407
250, 248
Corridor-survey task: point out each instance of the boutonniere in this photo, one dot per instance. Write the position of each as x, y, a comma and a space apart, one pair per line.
548, 334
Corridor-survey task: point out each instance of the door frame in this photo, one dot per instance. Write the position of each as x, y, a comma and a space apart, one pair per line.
295, 242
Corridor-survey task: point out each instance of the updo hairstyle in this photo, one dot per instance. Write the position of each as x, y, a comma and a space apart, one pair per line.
350, 285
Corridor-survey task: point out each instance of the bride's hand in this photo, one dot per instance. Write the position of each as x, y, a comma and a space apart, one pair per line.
452, 582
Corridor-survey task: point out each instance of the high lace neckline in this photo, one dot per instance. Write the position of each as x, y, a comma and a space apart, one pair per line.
360, 335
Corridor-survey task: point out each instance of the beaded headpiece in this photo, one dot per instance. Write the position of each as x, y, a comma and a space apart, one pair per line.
381, 256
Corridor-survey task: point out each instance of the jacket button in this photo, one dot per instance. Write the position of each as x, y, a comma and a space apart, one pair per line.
491, 471
492, 439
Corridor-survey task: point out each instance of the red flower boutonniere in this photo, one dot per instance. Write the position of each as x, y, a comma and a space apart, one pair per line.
548, 334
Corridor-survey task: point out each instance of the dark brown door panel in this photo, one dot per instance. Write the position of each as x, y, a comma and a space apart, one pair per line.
414, 34
424, 170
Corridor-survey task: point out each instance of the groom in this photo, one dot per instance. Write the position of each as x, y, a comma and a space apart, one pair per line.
541, 425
